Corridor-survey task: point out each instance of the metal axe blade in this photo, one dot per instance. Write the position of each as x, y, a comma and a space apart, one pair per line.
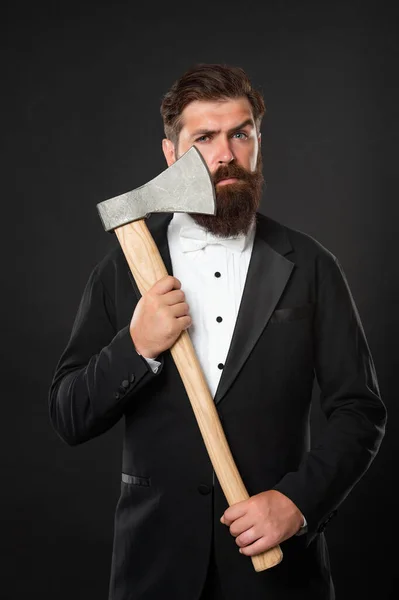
185, 186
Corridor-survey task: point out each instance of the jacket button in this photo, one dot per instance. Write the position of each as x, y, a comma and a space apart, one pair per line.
116, 396
125, 383
204, 489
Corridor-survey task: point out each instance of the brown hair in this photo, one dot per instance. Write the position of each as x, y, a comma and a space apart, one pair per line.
207, 82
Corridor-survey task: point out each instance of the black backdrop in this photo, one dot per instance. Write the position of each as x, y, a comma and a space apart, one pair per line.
82, 89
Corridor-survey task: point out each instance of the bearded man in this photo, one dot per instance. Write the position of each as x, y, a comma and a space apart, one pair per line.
268, 308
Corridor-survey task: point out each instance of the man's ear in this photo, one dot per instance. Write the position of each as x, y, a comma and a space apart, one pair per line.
169, 151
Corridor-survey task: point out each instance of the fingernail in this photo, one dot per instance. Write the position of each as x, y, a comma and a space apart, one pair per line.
222, 519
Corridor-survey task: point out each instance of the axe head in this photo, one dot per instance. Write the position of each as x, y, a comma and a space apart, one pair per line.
185, 186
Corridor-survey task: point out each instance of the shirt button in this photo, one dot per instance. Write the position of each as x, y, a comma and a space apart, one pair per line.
219, 319
220, 366
204, 489
125, 384
217, 274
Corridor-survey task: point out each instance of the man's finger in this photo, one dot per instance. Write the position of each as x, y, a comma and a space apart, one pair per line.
257, 547
234, 512
166, 284
242, 524
185, 322
179, 310
174, 297
247, 537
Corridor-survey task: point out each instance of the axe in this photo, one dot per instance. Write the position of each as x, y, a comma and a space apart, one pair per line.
185, 186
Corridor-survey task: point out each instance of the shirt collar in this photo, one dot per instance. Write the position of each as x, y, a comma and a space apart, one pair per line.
184, 220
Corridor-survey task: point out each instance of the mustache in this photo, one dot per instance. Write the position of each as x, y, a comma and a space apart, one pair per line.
231, 170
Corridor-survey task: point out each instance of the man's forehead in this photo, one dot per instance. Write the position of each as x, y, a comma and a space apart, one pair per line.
216, 114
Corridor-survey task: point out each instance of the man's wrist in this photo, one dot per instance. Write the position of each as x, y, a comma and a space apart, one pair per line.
151, 362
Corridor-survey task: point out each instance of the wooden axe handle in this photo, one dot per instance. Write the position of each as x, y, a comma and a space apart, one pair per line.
147, 268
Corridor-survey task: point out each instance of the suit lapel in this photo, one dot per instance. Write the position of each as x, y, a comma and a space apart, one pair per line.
268, 274
158, 225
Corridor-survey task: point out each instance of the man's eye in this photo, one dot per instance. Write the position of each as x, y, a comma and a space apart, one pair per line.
202, 138
243, 136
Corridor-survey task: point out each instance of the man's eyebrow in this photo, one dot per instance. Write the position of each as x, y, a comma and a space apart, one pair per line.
212, 132
242, 125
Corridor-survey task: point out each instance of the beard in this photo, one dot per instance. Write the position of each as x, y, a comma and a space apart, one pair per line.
236, 203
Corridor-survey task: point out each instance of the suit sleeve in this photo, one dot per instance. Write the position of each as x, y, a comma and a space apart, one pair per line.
98, 372
350, 399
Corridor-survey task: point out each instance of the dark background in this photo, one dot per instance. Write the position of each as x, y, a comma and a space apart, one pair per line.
82, 85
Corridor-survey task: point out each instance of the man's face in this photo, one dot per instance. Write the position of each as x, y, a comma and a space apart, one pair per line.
225, 134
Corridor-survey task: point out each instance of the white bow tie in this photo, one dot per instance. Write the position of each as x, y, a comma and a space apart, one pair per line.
195, 238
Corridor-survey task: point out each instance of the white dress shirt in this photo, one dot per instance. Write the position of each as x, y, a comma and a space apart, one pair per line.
213, 280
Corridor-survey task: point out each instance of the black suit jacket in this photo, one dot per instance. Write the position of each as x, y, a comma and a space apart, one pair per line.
297, 320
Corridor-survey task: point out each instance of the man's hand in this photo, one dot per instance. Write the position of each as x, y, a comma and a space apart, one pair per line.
262, 521
159, 317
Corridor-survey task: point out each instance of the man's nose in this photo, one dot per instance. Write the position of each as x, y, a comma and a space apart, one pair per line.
224, 153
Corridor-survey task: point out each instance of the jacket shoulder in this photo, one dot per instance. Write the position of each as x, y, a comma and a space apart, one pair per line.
302, 247
112, 263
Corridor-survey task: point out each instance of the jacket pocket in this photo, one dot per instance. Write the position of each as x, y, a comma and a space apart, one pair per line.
284, 315
135, 480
